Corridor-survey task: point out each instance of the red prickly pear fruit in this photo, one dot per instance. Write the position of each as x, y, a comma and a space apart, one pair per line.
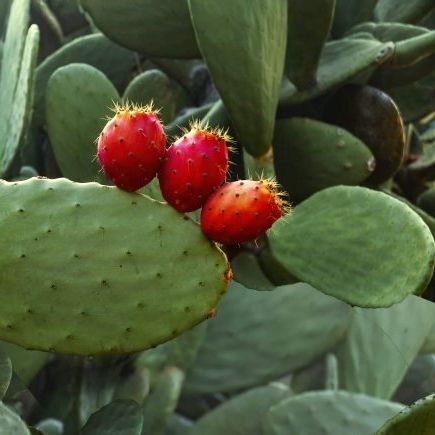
132, 146
242, 210
194, 167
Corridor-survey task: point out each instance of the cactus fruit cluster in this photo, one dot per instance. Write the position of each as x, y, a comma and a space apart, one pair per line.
152, 278
131, 150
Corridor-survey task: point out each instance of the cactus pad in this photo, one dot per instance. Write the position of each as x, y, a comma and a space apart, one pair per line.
419, 419
153, 85
95, 50
329, 412
340, 61
379, 335
78, 92
11, 423
158, 28
246, 346
243, 44
309, 40
311, 155
120, 416
353, 243
87, 269
5, 372
242, 414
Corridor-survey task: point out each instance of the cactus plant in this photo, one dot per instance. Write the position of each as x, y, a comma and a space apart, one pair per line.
73, 145
10, 422
335, 100
374, 334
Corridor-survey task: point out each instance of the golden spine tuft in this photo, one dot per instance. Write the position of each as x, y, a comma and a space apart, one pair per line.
280, 196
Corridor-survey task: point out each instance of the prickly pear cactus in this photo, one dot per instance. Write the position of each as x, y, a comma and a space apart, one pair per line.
114, 310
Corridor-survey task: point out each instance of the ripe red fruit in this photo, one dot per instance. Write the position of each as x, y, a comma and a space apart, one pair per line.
242, 211
195, 165
131, 147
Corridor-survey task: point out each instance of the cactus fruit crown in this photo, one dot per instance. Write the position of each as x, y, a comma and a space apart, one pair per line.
198, 126
279, 195
130, 108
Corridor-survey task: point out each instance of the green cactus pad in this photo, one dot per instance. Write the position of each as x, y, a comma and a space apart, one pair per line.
242, 414
246, 346
153, 85
274, 270
178, 425
13, 48
416, 99
247, 272
427, 218
16, 82
5, 372
309, 40
334, 241
26, 363
385, 32
329, 412
4, 12
157, 28
11, 423
120, 416
152, 189
348, 13
78, 100
310, 155
19, 114
161, 403
96, 50
89, 268
379, 335
412, 50
247, 68
340, 61
405, 12
390, 74
419, 419
183, 71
